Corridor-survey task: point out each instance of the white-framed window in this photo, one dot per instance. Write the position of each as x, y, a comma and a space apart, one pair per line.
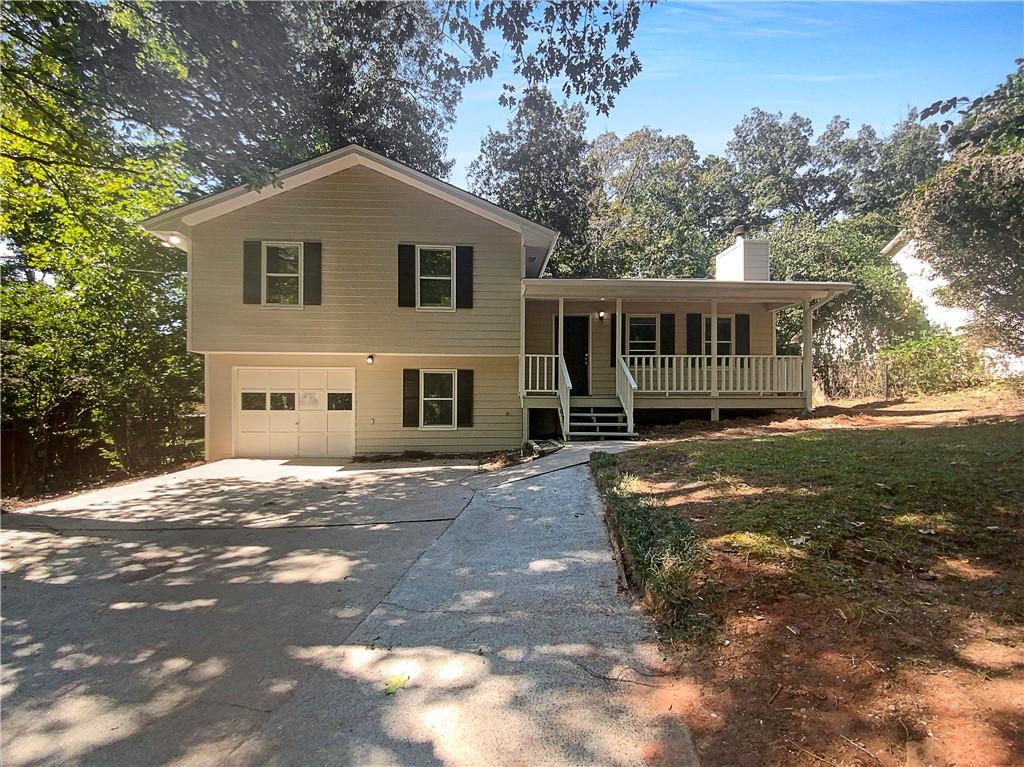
282, 273
643, 334
726, 335
435, 277
438, 394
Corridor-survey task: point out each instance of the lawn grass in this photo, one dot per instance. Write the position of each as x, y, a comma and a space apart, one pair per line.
849, 512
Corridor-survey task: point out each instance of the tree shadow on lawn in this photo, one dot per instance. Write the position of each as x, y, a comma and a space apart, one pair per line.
869, 586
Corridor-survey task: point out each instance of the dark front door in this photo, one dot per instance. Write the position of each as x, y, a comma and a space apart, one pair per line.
577, 353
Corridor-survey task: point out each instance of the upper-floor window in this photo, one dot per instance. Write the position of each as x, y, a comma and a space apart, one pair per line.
726, 335
282, 273
642, 337
435, 277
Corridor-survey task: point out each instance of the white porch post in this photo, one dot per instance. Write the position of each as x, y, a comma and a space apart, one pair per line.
807, 344
619, 329
561, 327
714, 348
522, 342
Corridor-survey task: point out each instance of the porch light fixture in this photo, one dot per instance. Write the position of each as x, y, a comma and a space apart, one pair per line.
600, 315
369, 359
174, 239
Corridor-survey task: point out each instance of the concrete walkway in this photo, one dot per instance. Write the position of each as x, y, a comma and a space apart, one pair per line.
504, 632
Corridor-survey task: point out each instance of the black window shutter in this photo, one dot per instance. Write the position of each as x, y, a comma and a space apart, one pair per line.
407, 275
743, 334
464, 417
252, 272
668, 334
694, 338
311, 273
464, 277
410, 397
612, 336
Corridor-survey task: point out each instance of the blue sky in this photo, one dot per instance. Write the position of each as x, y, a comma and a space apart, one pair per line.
708, 64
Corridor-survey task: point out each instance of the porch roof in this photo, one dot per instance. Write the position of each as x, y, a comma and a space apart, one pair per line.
778, 294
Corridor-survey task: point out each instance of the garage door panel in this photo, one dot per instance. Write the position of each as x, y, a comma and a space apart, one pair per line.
341, 444
284, 445
283, 378
340, 420
341, 380
284, 421
253, 445
253, 379
313, 445
312, 421
312, 379
253, 420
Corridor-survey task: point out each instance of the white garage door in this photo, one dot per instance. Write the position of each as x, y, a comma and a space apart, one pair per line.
294, 412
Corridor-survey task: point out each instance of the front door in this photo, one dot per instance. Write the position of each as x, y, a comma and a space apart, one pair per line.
577, 352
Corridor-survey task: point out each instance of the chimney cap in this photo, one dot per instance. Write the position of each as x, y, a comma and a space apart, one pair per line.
740, 231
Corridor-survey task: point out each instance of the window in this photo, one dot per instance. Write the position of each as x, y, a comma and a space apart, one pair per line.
254, 400
643, 335
437, 399
726, 336
282, 400
339, 400
435, 277
282, 273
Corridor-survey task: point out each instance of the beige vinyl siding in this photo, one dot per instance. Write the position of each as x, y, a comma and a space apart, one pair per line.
497, 412
360, 216
540, 325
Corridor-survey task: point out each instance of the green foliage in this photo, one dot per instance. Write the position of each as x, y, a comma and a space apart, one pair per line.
880, 309
539, 169
968, 220
251, 87
663, 552
932, 363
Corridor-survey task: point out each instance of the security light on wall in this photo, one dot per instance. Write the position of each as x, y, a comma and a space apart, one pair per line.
369, 359
600, 315
174, 239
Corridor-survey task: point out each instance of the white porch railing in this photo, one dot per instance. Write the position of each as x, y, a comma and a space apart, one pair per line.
625, 385
540, 373
564, 391
736, 374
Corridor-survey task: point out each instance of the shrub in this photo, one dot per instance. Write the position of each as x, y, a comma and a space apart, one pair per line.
932, 363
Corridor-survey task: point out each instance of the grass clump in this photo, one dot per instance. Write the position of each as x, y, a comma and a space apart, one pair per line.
662, 553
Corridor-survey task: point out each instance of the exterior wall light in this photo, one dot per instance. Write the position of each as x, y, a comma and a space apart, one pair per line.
600, 315
369, 359
174, 239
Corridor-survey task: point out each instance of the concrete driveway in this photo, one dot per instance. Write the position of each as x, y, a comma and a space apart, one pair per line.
251, 612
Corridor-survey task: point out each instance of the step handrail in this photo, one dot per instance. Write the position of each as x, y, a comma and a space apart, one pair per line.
564, 391
625, 387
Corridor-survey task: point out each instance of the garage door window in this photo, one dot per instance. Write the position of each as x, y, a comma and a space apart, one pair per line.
339, 400
254, 400
281, 400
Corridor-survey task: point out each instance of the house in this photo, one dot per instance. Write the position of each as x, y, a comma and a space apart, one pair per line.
361, 307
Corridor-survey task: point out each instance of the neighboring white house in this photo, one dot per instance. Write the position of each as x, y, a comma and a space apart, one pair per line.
360, 307
924, 282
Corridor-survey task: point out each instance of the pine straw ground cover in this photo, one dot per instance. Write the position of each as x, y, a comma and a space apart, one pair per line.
851, 595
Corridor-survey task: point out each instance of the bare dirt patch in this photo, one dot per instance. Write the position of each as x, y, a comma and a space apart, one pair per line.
863, 583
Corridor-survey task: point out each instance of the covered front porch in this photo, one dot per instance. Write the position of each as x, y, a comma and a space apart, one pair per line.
599, 350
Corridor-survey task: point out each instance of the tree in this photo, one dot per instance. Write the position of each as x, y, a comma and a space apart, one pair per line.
248, 88
879, 311
539, 168
968, 220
